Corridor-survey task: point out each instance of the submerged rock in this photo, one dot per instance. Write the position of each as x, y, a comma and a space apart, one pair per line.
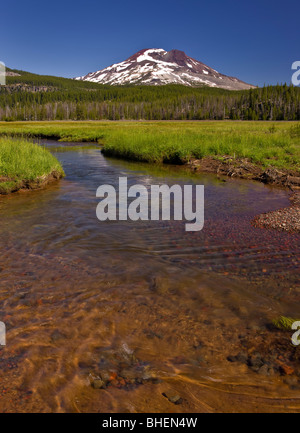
173, 398
96, 382
120, 368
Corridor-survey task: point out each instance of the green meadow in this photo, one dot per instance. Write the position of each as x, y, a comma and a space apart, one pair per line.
23, 162
267, 143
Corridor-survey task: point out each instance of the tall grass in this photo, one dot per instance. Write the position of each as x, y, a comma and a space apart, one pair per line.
266, 143
179, 147
22, 162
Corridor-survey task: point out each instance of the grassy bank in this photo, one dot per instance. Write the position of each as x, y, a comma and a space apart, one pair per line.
268, 144
25, 165
262, 144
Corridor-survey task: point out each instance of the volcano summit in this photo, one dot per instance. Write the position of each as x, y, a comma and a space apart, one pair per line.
156, 66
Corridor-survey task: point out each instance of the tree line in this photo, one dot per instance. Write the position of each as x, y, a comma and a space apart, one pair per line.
35, 97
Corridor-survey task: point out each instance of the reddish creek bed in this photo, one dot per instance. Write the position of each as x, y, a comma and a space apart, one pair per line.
143, 316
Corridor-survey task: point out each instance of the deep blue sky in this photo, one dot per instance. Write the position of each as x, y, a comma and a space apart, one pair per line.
257, 41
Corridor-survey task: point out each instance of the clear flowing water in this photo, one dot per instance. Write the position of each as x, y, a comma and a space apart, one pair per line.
81, 297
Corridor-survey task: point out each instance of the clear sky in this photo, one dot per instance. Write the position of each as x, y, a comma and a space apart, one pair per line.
255, 40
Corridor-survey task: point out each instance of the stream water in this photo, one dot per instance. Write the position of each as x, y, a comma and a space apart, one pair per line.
156, 309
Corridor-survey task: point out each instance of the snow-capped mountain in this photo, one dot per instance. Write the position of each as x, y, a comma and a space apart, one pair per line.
156, 66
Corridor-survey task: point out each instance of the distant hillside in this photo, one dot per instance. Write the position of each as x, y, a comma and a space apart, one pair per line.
30, 96
32, 82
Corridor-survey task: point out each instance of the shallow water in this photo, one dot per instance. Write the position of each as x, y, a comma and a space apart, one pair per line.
80, 296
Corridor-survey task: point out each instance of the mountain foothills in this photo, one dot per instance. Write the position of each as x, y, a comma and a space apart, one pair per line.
28, 96
159, 67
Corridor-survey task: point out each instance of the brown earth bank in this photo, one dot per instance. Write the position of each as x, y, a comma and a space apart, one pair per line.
26, 185
245, 169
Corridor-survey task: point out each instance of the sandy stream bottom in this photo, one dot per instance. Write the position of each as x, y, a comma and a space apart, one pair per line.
67, 324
